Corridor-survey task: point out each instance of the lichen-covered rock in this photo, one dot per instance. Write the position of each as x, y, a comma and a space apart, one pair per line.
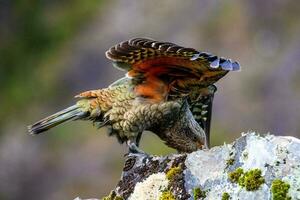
253, 167
255, 162
144, 190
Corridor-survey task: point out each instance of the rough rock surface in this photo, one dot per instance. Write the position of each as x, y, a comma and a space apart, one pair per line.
212, 174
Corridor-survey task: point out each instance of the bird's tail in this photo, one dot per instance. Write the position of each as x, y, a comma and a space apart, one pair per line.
71, 113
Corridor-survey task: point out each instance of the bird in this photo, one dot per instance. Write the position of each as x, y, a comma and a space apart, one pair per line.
168, 90
201, 103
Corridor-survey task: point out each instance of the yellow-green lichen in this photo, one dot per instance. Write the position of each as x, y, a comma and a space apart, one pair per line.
167, 195
229, 162
250, 180
225, 196
173, 172
198, 193
280, 190
235, 175
112, 196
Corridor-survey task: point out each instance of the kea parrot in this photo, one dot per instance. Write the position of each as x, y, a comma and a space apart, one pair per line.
168, 90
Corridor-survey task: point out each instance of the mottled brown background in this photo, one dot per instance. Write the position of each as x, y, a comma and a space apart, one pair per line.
51, 50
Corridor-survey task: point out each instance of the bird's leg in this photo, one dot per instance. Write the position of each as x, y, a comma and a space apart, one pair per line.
138, 139
206, 143
133, 147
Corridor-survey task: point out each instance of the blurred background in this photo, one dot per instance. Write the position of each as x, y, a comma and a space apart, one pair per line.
51, 50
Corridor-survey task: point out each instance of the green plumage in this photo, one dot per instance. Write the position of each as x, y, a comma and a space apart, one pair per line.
168, 90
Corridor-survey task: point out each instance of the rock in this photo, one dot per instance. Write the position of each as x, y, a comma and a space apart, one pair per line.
253, 167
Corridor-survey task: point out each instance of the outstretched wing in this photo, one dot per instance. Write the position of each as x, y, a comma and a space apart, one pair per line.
161, 70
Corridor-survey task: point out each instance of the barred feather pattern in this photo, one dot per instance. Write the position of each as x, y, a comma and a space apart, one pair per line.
201, 102
164, 70
137, 50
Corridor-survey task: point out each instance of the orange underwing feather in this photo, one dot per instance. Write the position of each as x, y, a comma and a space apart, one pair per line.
162, 68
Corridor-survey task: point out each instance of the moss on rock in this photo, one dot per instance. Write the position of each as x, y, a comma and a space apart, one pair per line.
251, 180
198, 193
235, 175
225, 196
229, 162
112, 196
167, 195
280, 190
171, 174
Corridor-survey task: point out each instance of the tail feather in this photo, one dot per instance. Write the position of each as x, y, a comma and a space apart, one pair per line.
72, 113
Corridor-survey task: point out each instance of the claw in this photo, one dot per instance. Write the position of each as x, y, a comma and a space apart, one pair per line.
133, 148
